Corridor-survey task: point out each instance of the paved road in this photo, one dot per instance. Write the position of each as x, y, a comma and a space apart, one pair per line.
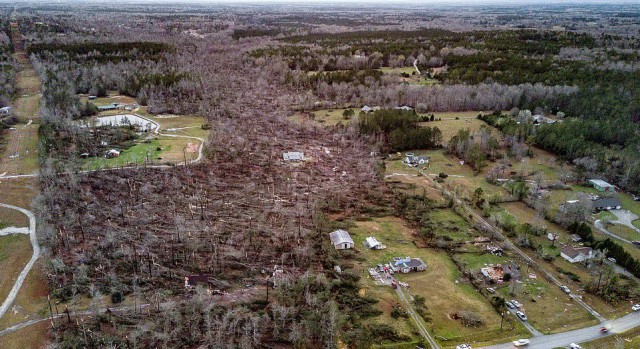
510, 245
36, 253
578, 336
626, 217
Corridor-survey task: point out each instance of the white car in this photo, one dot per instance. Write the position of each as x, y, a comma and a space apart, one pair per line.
565, 289
521, 342
636, 307
463, 346
521, 315
574, 346
491, 290
611, 259
516, 303
509, 305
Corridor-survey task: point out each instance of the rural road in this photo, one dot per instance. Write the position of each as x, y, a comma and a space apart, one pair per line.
415, 66
526, 324
36, 253
416, 319
586, 334
510, 244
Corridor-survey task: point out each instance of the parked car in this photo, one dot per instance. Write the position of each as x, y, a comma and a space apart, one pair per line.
463, 346
574, 346
509, 305
491, 290
521, 342
637, 243
565, 289
521, 316
604, 330
636, 307
516, 303
611, 259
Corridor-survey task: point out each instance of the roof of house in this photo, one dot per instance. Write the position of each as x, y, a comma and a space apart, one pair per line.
340, 237
293, 155
607, 202
601, 183
371, 241
573, 252
407, 262
193, 280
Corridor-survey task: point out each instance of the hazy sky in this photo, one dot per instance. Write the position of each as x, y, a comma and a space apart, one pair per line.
355, 2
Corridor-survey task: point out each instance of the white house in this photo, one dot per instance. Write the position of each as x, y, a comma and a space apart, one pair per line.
341, 240
293, 156
576, 254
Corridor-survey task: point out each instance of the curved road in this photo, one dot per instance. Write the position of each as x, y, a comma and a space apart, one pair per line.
36, 253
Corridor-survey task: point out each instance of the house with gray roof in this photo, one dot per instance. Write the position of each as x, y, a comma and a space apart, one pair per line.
407, 264
605, 204
576, 254
341, 240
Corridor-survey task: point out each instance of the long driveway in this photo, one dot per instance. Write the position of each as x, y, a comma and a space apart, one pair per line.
36, 253
586, 334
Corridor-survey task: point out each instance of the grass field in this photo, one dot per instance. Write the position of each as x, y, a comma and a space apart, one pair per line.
450, 126
113, 97
548, 308
31, 337
15, 251
440, 285
31, 301
160, 149
387, 299
623, 231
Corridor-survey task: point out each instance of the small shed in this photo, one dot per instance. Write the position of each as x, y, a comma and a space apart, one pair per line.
341, 240
373, 243
112, 153
293, 156
601, 185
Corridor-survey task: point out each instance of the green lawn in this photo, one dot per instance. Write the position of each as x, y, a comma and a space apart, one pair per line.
623, 231
137, 154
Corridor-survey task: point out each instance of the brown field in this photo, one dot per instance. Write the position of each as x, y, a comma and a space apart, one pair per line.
32, 337
31, 302
15, 251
